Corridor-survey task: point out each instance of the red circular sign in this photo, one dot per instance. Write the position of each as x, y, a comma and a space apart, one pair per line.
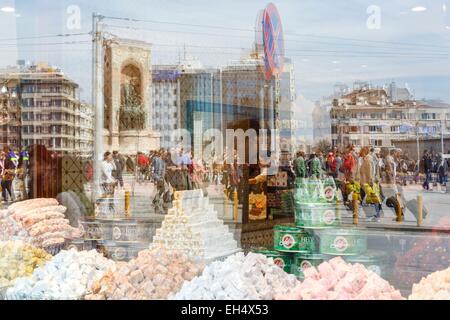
273, 42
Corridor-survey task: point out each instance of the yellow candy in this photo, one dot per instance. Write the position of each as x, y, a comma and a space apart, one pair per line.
19, 259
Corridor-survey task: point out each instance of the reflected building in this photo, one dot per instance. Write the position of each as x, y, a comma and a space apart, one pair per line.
368, 117
46, 110
288, 96
200, 99
321, 113
166, 102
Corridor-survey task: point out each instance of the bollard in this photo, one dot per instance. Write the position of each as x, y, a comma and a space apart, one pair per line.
127, 204
399, 209
355, 208
235, 206
419, 210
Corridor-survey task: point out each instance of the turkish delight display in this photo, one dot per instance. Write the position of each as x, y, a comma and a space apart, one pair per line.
18, 259
435, 286
40, 221
10, 229
193, 227
338, 280
68, 276
239, 277
153, 275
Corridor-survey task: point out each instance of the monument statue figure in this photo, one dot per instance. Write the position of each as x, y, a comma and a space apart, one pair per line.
132, 114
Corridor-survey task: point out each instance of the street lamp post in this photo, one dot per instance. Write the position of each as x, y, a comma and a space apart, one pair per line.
97, 99
442, 132
417, 140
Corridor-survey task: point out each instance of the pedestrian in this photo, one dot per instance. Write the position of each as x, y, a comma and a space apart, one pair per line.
300, 165
443, 173
130, 165
119, 163
427, 168
375, 197
236, 176
332, 165
108, 181
323, 164
349, 164
352, 187
315, 166
390, 168
8, 167
339, 166
22, 173
143, 165
159, 175
366, 167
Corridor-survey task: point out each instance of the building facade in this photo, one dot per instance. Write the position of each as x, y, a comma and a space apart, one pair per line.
368, 117
166, 103
46, 110
321, 113
288, 96
10, 123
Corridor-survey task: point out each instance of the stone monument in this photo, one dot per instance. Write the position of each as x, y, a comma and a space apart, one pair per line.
128, 100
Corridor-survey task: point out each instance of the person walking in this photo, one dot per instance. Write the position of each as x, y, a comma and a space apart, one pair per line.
332, 165
119, 163
349, 164
9, 166
108, 181
427, 168
300, 165
390, 168
143, 164
443, 173
339, 167
366, 168
316, 167
159, 174
375, 197
130, 164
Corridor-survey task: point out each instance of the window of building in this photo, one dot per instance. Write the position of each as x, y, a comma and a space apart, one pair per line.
334, 130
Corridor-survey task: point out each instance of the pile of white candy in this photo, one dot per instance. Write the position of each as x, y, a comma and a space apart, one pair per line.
239, 277
193, 227
66, 277
435, 286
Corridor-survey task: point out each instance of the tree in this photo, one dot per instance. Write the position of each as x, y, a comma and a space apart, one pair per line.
323, 145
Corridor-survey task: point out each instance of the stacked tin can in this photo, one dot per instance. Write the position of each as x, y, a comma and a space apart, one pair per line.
318, 211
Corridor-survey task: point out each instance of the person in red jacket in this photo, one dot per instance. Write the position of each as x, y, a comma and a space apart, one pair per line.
331, 165
143, 164
349, 164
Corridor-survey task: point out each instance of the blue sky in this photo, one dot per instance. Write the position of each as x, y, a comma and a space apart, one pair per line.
321, 38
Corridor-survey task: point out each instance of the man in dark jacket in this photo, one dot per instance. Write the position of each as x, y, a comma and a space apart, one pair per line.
427, 168
159, 173
120, 164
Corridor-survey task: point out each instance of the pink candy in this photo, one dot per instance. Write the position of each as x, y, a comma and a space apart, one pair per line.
337, 280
